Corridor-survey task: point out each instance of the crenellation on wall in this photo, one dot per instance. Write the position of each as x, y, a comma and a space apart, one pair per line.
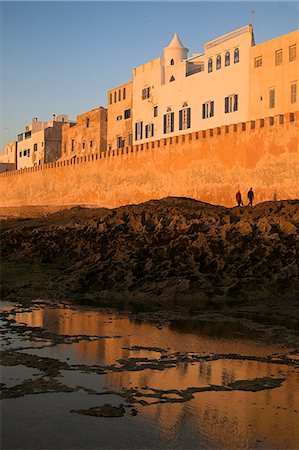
184, 167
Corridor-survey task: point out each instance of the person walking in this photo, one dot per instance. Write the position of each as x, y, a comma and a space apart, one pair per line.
250, 196
239, 198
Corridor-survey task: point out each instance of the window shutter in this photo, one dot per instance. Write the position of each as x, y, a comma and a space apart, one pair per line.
172, 121
136, 131
141, 129
188, 117
180, 119
203, 111
146, 131
164, 123
236, 103
226, 105
212, 109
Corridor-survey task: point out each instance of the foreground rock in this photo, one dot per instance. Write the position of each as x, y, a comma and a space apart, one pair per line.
172, 252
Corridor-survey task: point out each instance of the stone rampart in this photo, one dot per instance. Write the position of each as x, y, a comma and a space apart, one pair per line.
208, 165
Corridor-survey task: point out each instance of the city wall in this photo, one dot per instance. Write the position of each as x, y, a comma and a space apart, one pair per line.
208, 165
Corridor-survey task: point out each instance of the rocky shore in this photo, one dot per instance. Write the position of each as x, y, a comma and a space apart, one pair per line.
172, 253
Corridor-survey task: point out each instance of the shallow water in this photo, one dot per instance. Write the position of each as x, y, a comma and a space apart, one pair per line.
110, 358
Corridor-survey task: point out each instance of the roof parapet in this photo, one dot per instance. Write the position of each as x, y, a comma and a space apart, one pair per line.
226, 37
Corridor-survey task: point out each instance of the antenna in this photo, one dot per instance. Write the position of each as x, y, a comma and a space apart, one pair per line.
252, 17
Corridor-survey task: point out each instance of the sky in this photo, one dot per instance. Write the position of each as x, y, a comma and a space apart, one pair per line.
62, 57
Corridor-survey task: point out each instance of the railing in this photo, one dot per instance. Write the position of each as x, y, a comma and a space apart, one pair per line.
196, 70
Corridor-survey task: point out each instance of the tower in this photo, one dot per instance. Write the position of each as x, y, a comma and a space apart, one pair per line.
175, 51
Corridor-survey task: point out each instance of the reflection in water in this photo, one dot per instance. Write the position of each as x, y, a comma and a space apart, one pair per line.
235, 419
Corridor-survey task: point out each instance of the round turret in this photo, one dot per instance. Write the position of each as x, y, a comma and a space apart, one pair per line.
175, 52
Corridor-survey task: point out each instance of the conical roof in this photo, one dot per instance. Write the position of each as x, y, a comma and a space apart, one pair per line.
176, 42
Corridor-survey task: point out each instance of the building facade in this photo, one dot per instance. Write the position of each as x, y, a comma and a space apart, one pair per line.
40, 142
119, 133
9, 155
86, 136
274, 74
176, 94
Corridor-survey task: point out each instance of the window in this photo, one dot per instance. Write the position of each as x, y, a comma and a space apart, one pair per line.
149, 130
115, 97
184, 119
127, 114
124, 93
90, 144
87, 122
231, 103
258, 61
172, 78
20, 154
35, 147
169, 122
146, 93
120, 142
130, 140
218, 62
227, 59
292, 53
83, 145
236, 56
119, 95
28, 152
210, 65
172, 62
118, 117
25, 153
155, 111
207, 109
278, 57
138, 130
293, 93
272, 98
110, 98
72, 144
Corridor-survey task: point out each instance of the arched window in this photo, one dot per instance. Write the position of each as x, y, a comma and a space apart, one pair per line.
227, 58
124, 93
218, 62
119, 95
172, 78
172, 62
110, 99
114, 96
210, 65
236, 55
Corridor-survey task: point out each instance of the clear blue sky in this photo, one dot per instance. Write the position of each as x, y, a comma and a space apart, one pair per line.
62, 57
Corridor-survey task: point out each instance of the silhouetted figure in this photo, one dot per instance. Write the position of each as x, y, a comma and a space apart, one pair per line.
275, 196
239, 198
250, 196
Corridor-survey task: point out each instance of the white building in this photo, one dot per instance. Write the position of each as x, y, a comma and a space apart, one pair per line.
175, 94
40, 142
